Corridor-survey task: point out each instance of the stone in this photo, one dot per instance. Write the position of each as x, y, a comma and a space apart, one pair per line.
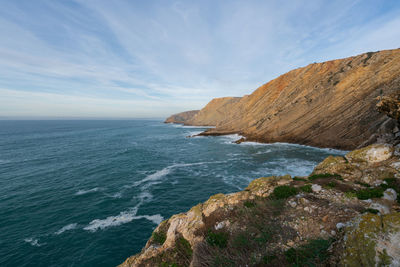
316, 188
371, 154
372, 241
390, 194
383, 209
293, 204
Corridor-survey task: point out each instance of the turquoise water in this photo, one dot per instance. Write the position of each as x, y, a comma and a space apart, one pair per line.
89, 193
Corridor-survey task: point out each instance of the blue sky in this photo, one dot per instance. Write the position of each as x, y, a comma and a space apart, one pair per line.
141, 59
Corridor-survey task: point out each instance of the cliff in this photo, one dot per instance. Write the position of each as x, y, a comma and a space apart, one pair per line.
181, 117
329, 104
346, 213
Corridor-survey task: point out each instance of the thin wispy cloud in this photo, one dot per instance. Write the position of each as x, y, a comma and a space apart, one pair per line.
153, 58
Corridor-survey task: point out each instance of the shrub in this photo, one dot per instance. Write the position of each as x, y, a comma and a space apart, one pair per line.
350, 194
306, 188
159, 237
217, 239
267, 259
184, 247
299, 179
310, 254
284, 191
373, 211
331, 184
324, 175
363, 184
249, 204
370, 193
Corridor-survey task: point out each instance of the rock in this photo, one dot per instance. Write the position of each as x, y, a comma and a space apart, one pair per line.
314, 104
372, 241
303, 201
182, 117
340, 225
241, 140
383, 209
371, 154
293, 204
390, 194
316, 188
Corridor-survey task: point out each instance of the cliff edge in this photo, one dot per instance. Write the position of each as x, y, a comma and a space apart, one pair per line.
346, 213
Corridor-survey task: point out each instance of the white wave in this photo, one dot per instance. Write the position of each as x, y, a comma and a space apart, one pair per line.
33, 241
3, 161
156, 219
117, 195
287, 166
83, 192
145, 197
229, 138
193, 134
264, 152
155, 177
122, 218
66, 228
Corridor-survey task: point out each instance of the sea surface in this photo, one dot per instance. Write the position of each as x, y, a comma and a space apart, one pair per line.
90, 193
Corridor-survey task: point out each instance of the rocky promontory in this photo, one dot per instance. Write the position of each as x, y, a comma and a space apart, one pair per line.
346, 213
182, 117
329, 104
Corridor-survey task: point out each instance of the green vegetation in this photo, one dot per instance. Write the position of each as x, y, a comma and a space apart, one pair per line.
350, 194
306, 188
249, 204
375, 192
268, 259
159, 237
315, 252
217, 239
363, 184
393, 183
299, 179
284, 191
331, 185
241, 240
324, 175
183, 247
373, 211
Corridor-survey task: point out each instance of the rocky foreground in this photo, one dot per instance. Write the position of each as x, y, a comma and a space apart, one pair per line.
346, 213
329, 104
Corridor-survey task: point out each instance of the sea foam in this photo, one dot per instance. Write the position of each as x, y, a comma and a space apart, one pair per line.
33, 241
83, 192
122, 218
66, 228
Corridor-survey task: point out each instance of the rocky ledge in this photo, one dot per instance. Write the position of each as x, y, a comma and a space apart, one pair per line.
346, 213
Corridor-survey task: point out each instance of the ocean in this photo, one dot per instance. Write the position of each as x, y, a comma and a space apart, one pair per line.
90, 193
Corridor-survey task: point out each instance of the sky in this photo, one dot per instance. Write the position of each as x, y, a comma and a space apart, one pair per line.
149, 59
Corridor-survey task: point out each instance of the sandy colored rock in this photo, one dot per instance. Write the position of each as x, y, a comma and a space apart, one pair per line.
329, 104
371, 154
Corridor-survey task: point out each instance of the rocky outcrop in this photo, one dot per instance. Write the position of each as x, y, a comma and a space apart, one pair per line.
345, 213
329, 104
182, 117
215, 112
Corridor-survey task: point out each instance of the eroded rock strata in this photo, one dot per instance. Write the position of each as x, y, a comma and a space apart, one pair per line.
329, 104
346, 213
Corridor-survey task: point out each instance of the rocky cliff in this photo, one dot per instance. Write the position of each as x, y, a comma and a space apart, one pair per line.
329, 104
346, 213
182, 117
